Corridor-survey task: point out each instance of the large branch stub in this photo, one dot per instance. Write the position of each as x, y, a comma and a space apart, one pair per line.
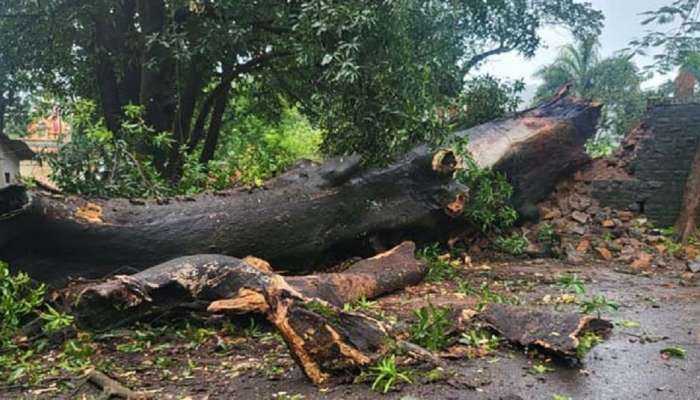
306, 218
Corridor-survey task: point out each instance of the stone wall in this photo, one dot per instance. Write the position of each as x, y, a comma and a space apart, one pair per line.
659, 159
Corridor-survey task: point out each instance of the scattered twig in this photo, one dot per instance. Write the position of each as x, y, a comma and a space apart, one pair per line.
111, 387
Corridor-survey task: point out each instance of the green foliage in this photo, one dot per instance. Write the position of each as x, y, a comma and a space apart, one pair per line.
325, 310
572, 283
488, 296
195, 335
361, 304
255, 148
549, 239
561, 397
489, 192
98, 162
674, 351
439, 268
541, 369
55, 321
671, 32
481, 338
615, 81
600, 147
598, 304
515, 244
19, 298
431, 327
387, 374
76, 354
586, 342
370, 74
483, 99
671, 246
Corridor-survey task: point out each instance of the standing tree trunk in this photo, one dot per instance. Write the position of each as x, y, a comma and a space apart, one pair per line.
686, 222
308, 217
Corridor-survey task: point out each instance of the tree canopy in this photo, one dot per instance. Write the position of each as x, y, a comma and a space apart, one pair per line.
369, 74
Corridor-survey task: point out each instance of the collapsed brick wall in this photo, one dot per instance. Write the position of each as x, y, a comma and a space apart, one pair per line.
657, 156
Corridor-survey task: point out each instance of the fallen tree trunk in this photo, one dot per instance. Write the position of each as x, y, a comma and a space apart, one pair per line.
308, 217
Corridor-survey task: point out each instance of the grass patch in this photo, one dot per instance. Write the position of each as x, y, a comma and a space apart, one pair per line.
431, 328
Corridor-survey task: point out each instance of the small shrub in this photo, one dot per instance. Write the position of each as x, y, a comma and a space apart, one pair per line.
549, 239
431, 327
598, 304
586, 342
438, 269
387, 374
18, 299
489, 206
488, 296
55, 321
480, 338
514, 245
572, 283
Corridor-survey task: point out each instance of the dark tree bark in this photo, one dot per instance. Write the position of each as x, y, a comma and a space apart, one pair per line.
686, 223
556, 333
157, 91
214, 131
306, 218
307, 310
104, 70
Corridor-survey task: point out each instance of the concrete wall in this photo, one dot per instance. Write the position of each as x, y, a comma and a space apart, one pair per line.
9, 167
661, 165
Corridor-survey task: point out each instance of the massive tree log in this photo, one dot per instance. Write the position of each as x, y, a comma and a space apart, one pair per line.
308, 217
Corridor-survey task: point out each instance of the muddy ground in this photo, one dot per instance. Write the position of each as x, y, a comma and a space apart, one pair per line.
225, 362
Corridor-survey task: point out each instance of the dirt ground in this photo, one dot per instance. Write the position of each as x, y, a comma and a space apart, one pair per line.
229, 363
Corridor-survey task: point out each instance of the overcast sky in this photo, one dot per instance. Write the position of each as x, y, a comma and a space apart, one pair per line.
622, 24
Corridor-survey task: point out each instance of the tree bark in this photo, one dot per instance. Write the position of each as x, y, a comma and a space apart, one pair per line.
686, 222
104, 70
308, 217
217, 117
307, 311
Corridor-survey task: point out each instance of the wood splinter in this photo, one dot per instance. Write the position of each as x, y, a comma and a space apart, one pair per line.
112, 388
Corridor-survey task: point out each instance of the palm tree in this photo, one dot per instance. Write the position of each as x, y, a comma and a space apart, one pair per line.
574, 65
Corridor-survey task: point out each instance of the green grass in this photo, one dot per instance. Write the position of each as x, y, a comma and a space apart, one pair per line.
431, 327
387, 374
439, 269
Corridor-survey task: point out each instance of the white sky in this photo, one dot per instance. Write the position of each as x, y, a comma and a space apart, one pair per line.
622, 25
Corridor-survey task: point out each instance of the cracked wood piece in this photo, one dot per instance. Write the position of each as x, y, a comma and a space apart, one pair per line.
555, 332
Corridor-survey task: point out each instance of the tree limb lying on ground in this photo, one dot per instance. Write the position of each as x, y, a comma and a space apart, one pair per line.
308, 217
324, 338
